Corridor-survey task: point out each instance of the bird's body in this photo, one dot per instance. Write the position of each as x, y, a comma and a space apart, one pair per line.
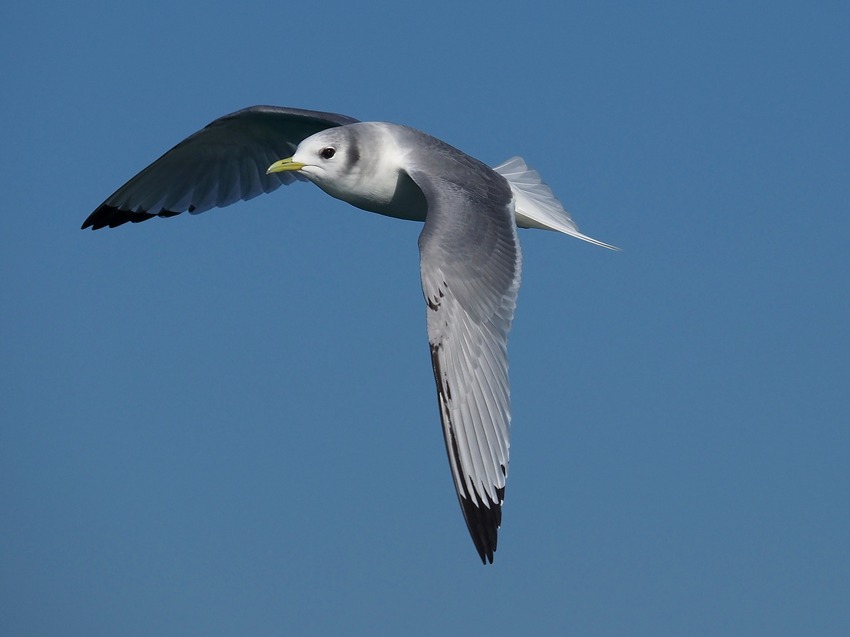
469, 251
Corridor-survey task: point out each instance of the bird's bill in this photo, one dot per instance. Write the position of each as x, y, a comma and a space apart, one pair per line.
283, 165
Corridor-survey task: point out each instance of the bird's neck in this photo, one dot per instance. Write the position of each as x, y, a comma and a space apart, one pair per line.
380, 184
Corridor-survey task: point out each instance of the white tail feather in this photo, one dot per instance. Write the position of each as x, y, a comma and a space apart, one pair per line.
535, 204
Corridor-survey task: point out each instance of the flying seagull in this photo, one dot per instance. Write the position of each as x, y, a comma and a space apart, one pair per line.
469, 250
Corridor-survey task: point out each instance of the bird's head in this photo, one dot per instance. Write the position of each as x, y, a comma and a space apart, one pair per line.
358, 163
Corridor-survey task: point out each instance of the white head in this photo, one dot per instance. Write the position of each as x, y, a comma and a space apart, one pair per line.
358, 163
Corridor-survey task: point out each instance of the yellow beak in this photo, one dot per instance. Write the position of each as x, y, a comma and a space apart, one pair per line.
283, 165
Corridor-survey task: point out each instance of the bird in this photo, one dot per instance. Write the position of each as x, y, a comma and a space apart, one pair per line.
470, 257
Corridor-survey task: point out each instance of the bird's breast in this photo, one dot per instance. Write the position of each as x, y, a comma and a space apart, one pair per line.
390, 193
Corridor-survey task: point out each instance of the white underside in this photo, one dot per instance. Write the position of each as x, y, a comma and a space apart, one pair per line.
536, 205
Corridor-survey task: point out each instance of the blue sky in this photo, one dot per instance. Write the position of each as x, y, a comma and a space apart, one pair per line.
225, 424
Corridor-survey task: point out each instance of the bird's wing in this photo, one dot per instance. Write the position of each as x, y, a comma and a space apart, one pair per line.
470, 268
219, 165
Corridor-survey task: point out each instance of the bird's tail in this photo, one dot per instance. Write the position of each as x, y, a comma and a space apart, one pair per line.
536, 206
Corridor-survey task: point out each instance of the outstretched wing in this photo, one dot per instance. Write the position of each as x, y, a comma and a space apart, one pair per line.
470, 267
219, 165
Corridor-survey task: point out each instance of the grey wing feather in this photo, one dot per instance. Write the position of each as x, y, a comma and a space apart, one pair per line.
219, 165
470, 268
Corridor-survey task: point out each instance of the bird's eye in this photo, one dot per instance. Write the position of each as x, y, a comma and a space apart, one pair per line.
327, 153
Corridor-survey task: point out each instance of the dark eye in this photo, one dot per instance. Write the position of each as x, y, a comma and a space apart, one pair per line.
327, 153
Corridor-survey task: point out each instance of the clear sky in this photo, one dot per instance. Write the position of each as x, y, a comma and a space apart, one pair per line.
225, 424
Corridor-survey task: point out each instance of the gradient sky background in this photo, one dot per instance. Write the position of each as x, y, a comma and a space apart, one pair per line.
226, 424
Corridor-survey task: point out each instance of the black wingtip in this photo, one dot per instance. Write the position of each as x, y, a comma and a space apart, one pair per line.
483, 523
111, 217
